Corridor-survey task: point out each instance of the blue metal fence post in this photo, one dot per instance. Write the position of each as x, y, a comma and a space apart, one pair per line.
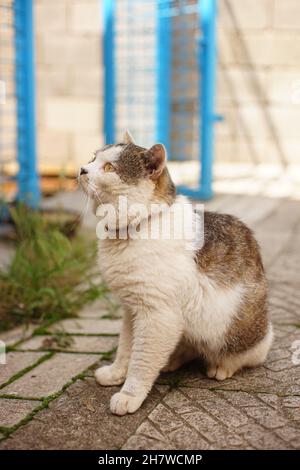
109, 71
163, 83
28, 180
208, 91
208, 58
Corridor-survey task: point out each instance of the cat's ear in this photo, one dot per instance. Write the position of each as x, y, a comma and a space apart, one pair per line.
127, 138
156, 158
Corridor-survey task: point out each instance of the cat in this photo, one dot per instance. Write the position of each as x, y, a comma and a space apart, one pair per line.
179, 302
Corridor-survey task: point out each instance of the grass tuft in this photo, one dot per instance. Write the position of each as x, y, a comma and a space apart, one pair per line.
50, 277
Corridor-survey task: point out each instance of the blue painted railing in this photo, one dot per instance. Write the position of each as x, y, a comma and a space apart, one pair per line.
207, 63
27, 177
163, 86
109, 70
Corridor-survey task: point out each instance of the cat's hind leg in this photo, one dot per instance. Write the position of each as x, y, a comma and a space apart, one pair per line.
231, 363
183, 353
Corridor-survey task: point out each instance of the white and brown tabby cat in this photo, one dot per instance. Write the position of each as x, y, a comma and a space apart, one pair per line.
178, 303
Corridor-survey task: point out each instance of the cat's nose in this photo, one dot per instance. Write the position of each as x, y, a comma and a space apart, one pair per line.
83, 171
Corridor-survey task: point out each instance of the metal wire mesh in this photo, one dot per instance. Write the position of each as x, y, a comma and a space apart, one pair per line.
135, 65
184, 139
8, 119
138, 56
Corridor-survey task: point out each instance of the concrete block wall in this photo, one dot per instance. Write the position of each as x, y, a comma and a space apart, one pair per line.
69, 82
258, 81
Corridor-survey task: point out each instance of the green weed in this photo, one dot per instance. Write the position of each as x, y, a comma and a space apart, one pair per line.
50, 276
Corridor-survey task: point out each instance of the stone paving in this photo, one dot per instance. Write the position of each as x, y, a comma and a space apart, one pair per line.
49, 398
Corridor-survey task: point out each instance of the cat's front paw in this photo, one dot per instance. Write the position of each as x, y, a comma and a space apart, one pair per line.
109, 375
122, 403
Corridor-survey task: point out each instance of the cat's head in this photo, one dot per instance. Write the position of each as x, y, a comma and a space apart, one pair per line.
126, 169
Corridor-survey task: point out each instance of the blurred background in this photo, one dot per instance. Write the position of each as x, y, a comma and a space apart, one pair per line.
257, 90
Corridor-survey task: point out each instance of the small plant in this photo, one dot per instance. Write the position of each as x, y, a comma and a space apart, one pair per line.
50, 276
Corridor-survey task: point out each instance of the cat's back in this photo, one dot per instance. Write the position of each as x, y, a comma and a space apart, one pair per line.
230, 252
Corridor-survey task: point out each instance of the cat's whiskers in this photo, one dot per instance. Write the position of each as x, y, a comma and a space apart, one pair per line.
86, 207
94, 189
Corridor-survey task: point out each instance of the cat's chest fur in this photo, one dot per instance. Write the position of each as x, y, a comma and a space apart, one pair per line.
147, 269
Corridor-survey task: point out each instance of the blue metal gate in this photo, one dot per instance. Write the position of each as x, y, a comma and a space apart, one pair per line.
160, 62
17, 106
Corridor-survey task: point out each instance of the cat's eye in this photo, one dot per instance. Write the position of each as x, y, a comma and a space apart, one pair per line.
108, 167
